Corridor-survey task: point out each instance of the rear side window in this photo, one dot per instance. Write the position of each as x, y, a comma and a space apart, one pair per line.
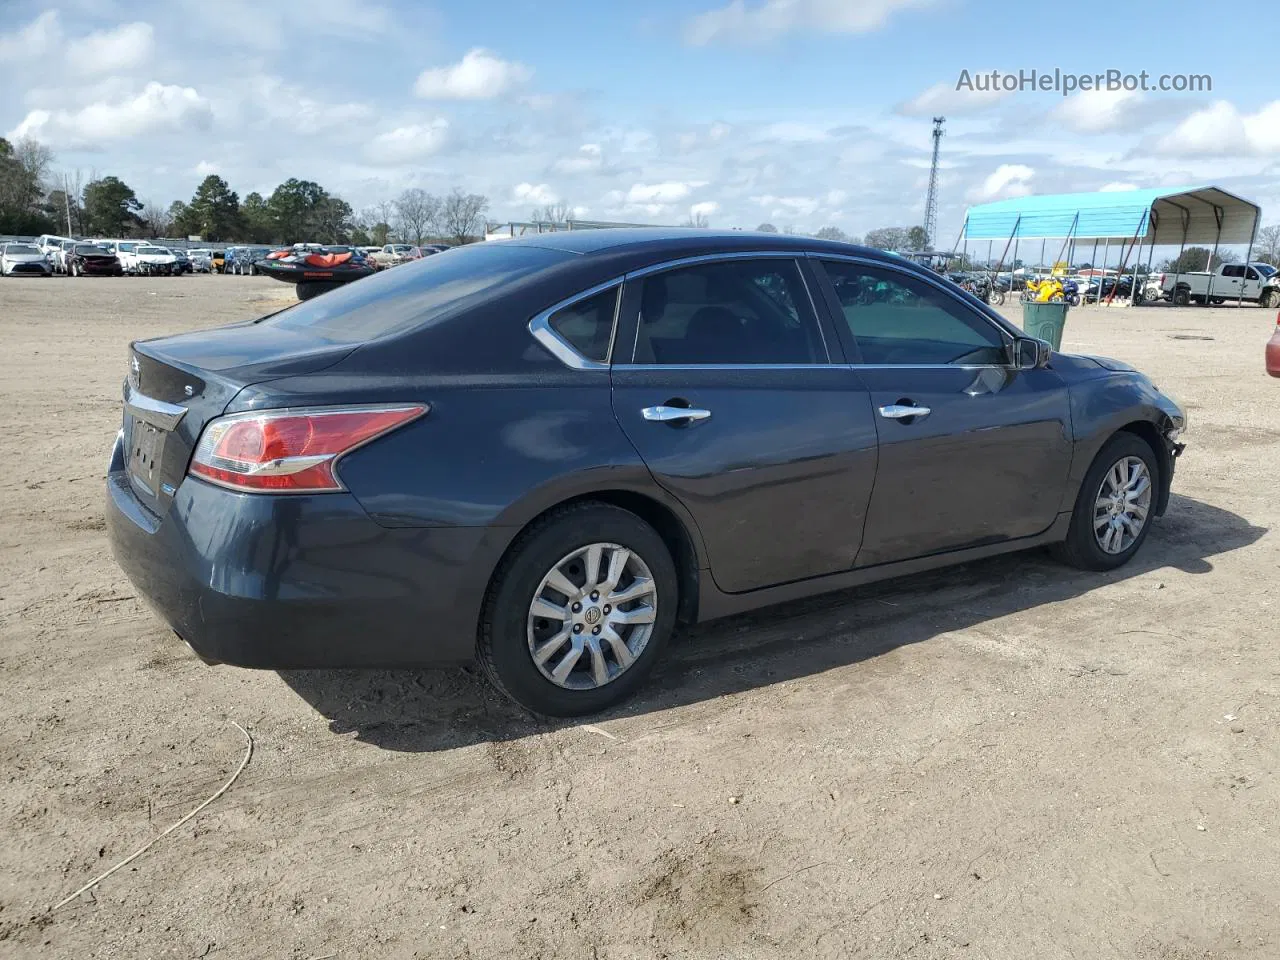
751, 311
900, 319
588, 324
1233, 270
415, 294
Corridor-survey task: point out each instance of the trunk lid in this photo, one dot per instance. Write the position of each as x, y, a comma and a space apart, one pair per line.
176, 385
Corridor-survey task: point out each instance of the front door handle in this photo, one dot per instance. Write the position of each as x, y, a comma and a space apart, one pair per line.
903, 411
666, 414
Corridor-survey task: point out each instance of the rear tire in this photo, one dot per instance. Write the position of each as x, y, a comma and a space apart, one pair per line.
1082, 547
510, 629
1181, 298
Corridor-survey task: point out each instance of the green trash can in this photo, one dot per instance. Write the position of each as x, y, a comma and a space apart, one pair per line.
1045, 321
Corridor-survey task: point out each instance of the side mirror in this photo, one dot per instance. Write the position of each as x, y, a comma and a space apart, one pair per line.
1030, 353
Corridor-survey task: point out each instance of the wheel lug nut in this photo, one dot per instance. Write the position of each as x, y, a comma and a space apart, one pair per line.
595, 630
577, 607
595, 595
607, 608
577, 628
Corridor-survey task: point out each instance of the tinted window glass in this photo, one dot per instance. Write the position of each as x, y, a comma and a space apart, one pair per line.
416, 293
588, 324
899, 319
735, 311
1233, 270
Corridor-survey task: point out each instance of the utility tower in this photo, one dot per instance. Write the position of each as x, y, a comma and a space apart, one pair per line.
931, 201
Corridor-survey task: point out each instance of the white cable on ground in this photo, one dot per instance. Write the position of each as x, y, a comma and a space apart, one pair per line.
248, 752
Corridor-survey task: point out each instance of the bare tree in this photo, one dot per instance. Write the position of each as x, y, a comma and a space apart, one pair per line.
698, 219
417, 215
832, 233
553, 213
1269, 243
767, 228
156, 219
462, 215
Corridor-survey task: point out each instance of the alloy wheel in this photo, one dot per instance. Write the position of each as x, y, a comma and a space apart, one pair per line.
592, 616
1121, 507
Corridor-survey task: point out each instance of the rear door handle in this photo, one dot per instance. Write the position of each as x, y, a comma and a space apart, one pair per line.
902, 411
665, 414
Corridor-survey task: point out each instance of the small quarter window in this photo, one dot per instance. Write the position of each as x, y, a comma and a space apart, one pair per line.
588, 324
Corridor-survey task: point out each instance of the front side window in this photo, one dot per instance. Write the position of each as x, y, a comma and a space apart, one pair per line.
1233, 270
751, 311
588, 324
900, 319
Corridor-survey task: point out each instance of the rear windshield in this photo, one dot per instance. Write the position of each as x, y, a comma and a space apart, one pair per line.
91, 250
20, 248
415, 294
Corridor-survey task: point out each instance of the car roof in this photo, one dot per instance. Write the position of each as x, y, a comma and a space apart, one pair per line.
686, 241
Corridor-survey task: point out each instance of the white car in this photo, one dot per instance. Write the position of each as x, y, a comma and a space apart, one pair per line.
50, 243
201, 259
155, 261
23, 259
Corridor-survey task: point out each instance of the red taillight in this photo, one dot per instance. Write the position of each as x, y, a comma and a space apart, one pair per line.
290, 451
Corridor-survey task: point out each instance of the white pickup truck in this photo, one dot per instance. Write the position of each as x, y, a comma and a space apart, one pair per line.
1256, 282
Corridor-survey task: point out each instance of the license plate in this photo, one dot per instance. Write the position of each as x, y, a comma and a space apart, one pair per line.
146, 444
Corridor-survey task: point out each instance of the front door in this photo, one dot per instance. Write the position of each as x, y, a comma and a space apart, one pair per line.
972, 451
732, 401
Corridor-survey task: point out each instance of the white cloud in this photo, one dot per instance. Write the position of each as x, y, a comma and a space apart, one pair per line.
204, 168
1008, 180
788, 206
944, 98
159, 107
408, 143
589, 158
290, 107
1097, 111
1117, 186
37, 39
538, 194
1222, 129
705, 209
123, 48
480, 75
759, 22
660, 193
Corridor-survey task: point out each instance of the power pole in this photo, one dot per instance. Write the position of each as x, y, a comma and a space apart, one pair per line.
931, 201
66, 200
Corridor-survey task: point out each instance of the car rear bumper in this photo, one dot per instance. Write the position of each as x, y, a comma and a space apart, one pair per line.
282, 582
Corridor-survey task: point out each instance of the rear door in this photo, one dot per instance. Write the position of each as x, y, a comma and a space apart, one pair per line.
972, 451
724, 381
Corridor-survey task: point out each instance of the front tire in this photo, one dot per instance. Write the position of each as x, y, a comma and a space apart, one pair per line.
1115, 506
579, 611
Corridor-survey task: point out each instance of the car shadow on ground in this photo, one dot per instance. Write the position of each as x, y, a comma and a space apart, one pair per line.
440, 709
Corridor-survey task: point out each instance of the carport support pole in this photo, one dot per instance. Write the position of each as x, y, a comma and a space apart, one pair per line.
1208, 297
1248, 254
1177, 272
1137, 260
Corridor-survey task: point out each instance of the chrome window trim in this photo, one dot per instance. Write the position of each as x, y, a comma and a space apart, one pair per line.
166, 416
731, 366
562, 349
793, 255
1006, 335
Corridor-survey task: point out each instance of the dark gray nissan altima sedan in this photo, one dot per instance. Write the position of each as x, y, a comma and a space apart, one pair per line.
545, 452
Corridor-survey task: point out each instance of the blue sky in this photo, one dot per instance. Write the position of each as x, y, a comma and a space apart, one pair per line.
802, 113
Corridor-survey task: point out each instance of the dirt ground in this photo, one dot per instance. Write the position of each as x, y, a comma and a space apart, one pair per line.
1007, 760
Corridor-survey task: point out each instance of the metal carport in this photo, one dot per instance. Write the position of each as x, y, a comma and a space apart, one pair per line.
1165, 216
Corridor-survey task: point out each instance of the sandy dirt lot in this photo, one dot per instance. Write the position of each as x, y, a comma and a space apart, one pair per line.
1008, 760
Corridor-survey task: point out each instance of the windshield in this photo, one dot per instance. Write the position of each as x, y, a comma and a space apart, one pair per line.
1265, 269
127, 247
416, 294
91, 250
20, 248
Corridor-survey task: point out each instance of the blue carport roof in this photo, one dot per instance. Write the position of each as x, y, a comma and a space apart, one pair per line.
1204, 214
